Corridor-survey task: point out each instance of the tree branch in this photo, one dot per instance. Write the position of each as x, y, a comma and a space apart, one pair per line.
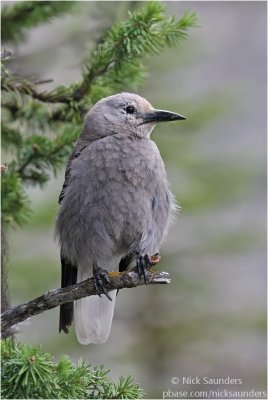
55, 298
19, 17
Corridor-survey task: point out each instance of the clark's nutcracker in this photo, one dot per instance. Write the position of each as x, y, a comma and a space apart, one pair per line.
115, 206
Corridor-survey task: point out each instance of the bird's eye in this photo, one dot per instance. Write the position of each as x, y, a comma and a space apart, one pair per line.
130, 109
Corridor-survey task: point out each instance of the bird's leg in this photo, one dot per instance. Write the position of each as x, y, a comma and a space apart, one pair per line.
100, 277
143, 263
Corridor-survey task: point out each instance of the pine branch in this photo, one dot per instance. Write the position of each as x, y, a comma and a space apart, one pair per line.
118, 57
41, 153
15, 203
10, 137
55, 298
16, 84
117, 60
30, 373
19, 17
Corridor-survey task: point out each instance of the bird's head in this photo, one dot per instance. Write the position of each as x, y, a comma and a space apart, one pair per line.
125, 114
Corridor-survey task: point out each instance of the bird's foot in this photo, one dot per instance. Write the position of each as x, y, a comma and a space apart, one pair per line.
143, 264
101, 277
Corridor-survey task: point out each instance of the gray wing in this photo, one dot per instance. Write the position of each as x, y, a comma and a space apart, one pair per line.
68, 270
76, 153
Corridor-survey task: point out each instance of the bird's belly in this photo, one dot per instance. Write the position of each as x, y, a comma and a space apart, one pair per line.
136, 214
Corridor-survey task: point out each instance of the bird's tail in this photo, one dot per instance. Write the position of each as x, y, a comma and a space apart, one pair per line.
93, 316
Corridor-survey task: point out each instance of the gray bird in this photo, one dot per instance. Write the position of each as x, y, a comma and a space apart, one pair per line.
115, 206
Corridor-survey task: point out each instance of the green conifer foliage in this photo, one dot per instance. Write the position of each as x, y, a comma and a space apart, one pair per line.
30, 373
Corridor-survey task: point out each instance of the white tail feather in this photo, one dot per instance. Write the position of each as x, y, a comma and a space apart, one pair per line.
93, 317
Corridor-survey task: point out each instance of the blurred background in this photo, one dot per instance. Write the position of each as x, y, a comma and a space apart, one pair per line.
211, 321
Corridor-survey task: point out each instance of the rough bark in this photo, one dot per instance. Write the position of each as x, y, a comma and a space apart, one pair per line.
54, 298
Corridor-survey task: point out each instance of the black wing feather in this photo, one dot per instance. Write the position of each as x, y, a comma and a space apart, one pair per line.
68, 277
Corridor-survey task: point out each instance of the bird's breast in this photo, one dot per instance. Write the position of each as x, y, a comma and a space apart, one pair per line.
137, 162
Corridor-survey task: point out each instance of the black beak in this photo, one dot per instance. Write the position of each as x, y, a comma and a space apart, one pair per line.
161, 116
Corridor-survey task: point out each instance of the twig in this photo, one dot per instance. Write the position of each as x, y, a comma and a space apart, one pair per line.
43, 81
55, 298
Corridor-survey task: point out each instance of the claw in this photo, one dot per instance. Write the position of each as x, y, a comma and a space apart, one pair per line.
100, 277
142, 265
